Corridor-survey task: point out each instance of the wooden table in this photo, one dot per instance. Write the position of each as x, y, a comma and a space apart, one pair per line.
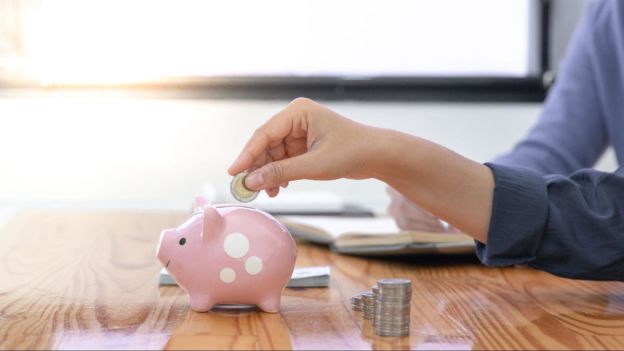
75, 280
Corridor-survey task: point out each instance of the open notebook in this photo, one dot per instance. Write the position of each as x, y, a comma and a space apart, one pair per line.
374, 236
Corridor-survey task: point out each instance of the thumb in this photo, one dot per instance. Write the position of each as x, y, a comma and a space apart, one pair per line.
275, 173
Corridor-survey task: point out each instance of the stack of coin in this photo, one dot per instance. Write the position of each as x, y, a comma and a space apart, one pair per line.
356, 302
368, 308
392, 313
375, 299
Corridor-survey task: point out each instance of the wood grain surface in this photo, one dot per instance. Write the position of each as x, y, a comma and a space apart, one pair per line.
84, 280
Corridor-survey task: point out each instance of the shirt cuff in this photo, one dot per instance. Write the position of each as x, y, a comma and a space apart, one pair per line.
519, 214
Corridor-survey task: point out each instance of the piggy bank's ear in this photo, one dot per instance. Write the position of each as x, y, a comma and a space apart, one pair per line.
200, 202
213, 222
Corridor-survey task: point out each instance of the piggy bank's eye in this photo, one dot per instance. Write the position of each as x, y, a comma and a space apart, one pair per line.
182, 241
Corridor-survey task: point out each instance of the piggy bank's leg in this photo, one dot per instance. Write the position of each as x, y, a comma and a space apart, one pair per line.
201, 303
271, 302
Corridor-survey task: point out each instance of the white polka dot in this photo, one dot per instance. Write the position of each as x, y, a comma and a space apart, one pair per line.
227, 275
253, 265
236, 245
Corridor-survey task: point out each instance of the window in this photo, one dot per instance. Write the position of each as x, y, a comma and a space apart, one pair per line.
94, 42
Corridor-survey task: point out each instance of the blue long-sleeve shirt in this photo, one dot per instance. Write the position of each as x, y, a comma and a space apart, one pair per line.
549, 210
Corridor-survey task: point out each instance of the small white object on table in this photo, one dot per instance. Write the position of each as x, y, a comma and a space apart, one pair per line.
303, 277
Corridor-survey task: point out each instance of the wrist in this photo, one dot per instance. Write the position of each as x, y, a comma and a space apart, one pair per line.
437, 179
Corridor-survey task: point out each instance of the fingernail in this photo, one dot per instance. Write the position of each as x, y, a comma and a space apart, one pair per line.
254, 181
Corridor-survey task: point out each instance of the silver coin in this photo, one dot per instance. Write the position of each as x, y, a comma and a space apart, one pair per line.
385, 311
393, 333
381, 326
394, 304
394, 326
394, 298
392, 330
394, 293
397, 313
393, 281
239, 191
356, 302
392, 313
392, 307
367, 298
390, 326
380, 330
368, 309
358, 296
386, 296
394, 290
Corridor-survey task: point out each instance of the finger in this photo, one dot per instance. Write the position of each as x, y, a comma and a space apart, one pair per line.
392, 192
418, 216
452, 229
278, 152
272, 192
392, 209
273, 174
402, 224
268, 135
253, 150
284, 185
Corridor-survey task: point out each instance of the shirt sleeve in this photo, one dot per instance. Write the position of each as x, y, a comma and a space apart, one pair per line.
569, 226
571, 132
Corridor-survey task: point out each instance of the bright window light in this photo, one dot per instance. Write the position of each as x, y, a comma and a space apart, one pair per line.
125, 41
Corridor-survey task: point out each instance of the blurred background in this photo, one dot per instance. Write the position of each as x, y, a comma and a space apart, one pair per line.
143, 104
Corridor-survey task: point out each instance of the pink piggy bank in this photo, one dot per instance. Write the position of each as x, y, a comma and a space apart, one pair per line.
229, 254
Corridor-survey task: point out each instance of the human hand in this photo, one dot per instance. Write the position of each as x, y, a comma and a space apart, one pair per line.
306, 141
409, 216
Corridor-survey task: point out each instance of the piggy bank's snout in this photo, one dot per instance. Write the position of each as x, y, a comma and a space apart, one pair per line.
161, 250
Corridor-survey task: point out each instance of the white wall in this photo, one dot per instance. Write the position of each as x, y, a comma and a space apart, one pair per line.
157, 153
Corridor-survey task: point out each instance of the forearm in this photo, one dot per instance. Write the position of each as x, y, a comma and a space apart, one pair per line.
441, 181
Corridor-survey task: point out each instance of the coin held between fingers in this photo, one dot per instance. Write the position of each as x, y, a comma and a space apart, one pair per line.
238, 189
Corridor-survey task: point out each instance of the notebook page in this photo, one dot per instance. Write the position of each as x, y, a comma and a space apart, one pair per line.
340, 225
